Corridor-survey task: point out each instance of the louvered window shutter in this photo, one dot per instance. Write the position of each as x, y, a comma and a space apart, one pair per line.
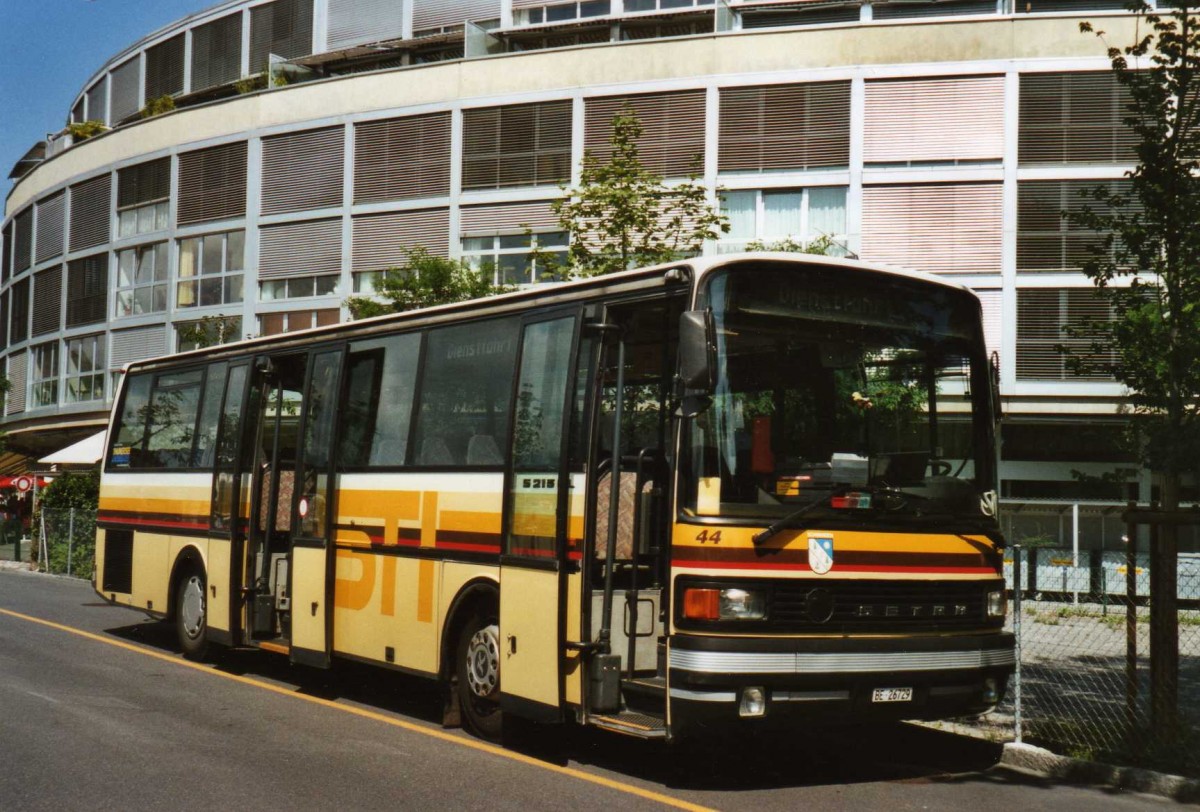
87, 290
23, 240
1074, 118
936, 227
1042, 315
217, 52
381, 241
3, 321
944, 119
784, 127
354, 22
282, 28
991, 302
517, 145
402, 158
90, 212
15, 400
6, 249
672, 142
97, 102
164, 68
508, 218
300, 249
125, 100
77, 112
19, 326
303, 170
144, 183
47, 300
127, 346
50, 222
212, 184
446, 13
1047, 241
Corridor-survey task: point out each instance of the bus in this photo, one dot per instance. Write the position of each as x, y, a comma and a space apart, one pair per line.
743, 491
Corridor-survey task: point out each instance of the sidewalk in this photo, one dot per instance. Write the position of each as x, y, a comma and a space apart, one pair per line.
6, 551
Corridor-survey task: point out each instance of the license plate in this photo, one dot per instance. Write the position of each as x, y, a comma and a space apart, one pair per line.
892, 695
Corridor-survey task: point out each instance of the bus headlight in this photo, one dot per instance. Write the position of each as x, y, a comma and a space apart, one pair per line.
724, 604
997, 603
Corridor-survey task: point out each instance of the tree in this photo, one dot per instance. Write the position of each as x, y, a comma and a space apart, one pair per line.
210, 331
424, 280
1148, 235
821, 246
622, 215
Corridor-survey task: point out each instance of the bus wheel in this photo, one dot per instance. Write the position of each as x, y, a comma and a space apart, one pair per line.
477, 671
191, 618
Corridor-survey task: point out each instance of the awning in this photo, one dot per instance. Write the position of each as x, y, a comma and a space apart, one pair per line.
85, 452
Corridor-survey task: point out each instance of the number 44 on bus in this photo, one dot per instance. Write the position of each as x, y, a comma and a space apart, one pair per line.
741, 491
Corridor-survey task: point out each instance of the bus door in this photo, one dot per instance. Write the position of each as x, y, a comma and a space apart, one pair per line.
288, 547
532, 566
627, 550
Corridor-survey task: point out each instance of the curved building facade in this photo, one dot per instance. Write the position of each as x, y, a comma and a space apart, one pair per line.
314, 141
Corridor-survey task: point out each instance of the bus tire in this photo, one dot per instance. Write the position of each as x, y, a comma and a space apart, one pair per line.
477, 675
191, 614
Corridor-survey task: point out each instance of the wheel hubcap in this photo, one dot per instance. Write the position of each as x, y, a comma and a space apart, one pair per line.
483, 661
191, 607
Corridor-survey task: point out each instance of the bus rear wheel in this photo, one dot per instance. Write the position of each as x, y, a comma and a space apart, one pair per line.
477, 676
191, 615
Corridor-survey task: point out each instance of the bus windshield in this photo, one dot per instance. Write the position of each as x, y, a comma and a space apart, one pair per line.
840, 397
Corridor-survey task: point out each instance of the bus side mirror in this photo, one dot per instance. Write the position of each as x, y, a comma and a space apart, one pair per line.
697, 350
994, 380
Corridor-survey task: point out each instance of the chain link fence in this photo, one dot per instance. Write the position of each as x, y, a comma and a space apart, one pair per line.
1085, 686
66, 541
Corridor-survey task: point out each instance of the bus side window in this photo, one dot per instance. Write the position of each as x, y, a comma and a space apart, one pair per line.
174, 408
129, 434
381, 378
227, 445
206, 433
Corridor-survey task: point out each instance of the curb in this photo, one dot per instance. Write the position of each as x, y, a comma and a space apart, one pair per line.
1134, 779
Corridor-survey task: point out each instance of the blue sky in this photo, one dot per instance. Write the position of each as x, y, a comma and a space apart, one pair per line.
49, 48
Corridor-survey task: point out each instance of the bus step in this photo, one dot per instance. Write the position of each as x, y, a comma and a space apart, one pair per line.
638, 725
278, 648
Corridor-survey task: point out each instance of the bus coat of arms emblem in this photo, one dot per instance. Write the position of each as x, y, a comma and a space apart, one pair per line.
820, 554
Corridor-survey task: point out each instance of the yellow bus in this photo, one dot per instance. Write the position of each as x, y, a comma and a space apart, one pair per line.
749, 490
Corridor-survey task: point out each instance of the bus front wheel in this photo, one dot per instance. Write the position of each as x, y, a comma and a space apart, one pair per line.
477, 672
191, 616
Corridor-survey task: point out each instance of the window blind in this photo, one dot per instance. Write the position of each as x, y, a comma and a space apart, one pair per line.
87, 290
300, 249
47, 300
672, 142
23, 240
212, 184
1042, 315
382, 241
507, 218
217, 52
784, 127
282, 28
125, 79
1073, 118
402, 158
354, 22
164, 68
90, 212
429, 14
127, 346
15, 399
6, 249
144, 183
1047, 241
936, 227
943, 119
19, 304
97, 102
51, 214
517, 145
303, 170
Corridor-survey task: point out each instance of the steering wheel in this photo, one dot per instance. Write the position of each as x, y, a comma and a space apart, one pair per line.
940, 467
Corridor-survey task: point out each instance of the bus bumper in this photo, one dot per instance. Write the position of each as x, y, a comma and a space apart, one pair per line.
719, 681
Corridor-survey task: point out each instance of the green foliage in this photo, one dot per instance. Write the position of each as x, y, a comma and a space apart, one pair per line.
83, 130
624, 216
156, 107
822, 246
250, 84
210, 331
424, 280
67, 509
73, 489
1149, 237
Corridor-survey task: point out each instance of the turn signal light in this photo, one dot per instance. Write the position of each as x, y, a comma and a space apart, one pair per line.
702, 604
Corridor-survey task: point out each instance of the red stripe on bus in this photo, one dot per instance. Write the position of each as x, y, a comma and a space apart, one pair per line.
766, 565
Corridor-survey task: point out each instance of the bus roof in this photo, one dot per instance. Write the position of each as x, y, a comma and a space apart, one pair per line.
561, 292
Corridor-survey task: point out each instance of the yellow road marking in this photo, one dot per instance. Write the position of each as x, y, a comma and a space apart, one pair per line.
474, 744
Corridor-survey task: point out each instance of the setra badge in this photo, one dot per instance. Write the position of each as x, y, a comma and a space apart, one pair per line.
820, 554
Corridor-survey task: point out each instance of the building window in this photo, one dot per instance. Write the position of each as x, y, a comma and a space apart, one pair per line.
211, 270
1045, 347
517, 145
43, 376
511, 258
794, 215
207, 332
143, 193
561, 12
87, 290
299, 287
85, 369
270, 324
141, 280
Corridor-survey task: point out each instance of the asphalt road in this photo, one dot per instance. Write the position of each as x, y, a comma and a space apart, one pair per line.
98, 711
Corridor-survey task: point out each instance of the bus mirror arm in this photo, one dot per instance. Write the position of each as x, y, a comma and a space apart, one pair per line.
697, 349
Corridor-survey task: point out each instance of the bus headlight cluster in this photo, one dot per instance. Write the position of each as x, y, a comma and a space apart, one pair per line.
724, 604
997, 603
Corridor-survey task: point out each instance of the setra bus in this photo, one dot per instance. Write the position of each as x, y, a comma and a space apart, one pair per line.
743, 490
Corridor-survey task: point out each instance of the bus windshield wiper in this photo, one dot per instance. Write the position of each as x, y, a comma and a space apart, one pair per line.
786, 521
883, 491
